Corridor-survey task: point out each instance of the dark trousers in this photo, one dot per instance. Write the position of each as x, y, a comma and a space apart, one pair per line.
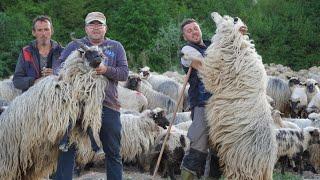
110, 136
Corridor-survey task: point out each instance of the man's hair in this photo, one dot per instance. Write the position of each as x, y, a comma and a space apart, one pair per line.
41, 18
186, 22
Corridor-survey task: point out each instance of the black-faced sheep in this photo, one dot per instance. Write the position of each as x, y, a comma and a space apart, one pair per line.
312, 88
174, 150
30, 131
155, 99
298, 98
138, 135
296, 141
238, 114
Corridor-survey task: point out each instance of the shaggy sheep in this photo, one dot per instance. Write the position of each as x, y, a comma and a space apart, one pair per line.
138, 135
8, 91
30, 131
132, 100
238, 114
293, 141
279, 91
174, 150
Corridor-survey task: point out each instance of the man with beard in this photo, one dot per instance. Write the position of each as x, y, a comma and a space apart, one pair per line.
194, 161
40, 57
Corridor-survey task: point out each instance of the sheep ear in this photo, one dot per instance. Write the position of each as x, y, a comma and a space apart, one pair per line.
217, 18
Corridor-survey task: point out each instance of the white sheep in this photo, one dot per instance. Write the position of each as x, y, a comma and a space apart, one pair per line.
238, 113
132, 100
155, 99
312, 88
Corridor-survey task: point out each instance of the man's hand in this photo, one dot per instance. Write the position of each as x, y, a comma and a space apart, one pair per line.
102, 69
46, 72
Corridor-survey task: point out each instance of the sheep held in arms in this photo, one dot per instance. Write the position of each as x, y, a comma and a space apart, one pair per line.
30, 131
238, 114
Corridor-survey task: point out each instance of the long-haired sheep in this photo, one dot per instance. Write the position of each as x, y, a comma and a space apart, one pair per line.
293, 141
7, 90
139, 133
278, 89
238, 114
30, 131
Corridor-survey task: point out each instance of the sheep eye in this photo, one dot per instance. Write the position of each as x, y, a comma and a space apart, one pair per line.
235, 20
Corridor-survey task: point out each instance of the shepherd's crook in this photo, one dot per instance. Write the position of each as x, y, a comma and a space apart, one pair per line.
174, 115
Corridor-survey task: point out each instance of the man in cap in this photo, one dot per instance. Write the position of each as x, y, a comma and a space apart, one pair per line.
115, 68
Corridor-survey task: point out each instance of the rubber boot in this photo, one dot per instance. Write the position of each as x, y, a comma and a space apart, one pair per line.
186, 175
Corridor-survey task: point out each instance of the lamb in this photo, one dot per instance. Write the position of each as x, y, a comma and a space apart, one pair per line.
279, 91
238, 114
30, 132
139, 133
293, 141
132, 100
174, 150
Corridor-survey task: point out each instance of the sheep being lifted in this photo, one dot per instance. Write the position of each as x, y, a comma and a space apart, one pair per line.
238, 114
30, 131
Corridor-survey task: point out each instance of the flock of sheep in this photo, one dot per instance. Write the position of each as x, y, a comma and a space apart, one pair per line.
256, 115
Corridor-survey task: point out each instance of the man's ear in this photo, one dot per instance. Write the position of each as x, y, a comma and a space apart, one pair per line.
33, 33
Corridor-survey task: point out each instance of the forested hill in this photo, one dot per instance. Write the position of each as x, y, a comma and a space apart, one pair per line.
284, 31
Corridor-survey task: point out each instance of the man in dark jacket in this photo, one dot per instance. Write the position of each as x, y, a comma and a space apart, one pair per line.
193, 163
40, 57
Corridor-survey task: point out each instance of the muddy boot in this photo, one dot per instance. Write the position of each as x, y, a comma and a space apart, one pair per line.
186, 175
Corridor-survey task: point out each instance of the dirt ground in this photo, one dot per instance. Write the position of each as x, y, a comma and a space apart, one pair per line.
131, 173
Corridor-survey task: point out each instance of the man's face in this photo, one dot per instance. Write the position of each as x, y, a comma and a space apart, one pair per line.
192, 33
42, 32
96, 31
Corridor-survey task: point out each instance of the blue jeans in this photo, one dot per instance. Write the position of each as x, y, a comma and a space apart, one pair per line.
110, 136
